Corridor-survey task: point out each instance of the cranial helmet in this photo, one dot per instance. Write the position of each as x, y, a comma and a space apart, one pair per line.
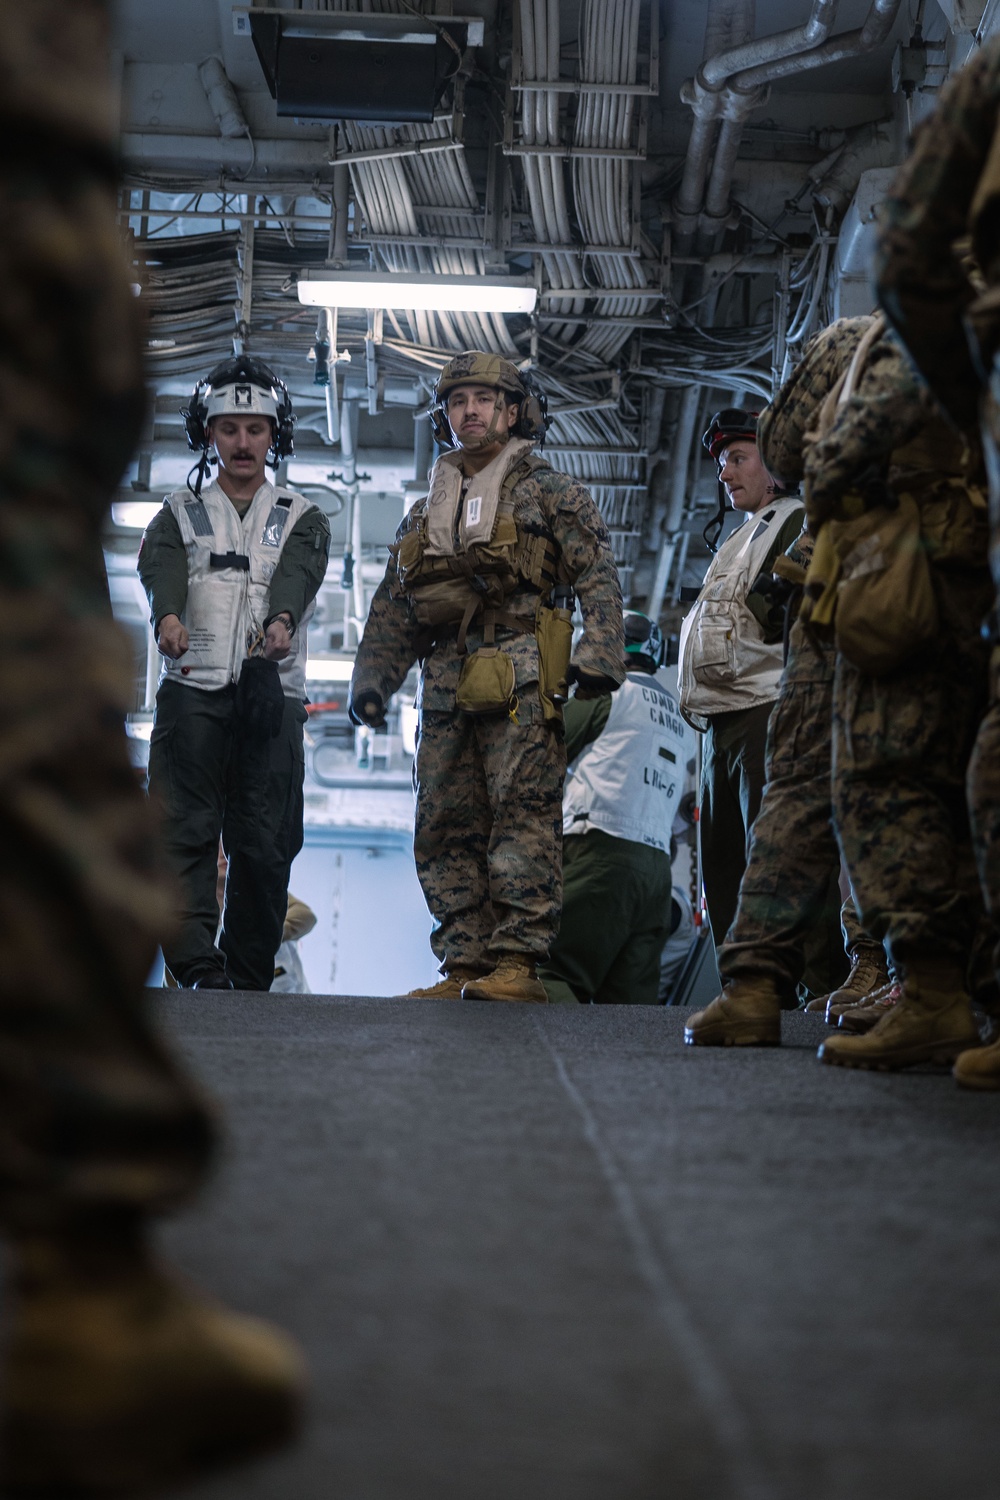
241, 387
727, 427
476, 368
644, 644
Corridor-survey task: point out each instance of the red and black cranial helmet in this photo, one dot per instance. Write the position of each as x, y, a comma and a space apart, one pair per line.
729, 426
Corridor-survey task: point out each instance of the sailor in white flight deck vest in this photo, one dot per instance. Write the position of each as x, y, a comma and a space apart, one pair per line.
629, 758
231, 572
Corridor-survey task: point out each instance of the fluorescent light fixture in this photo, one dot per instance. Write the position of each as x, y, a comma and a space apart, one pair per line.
418, 292
329, 669
135, 513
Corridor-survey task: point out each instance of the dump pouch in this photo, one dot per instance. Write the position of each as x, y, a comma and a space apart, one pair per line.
487, 683
886, 609
554, 634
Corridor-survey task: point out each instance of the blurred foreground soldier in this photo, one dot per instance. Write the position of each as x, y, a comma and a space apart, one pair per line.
898, 574
115, 1378
479, 589
731, 658
950, 187
231, 572
628, 757
790, 889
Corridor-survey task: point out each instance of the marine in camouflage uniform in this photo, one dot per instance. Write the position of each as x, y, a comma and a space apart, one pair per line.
901, 741
488, 832
948, 189
789, 895
98, 1126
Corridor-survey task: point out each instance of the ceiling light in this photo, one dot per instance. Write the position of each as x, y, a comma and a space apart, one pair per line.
418, 292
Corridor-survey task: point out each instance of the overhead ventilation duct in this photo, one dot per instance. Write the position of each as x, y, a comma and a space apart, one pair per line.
351, 65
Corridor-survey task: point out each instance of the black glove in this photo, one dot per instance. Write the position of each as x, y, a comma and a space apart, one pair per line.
589, 684
367, 710
260, 703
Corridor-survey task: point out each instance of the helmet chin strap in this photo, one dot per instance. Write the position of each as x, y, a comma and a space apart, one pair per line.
489, 437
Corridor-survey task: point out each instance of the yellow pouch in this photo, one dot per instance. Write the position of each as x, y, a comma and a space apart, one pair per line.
554, 634
487, 683
822, 576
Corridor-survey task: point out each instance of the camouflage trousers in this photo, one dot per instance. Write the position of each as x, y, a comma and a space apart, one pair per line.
787, 924
488, 835
983, 788
95, 1117
901, 746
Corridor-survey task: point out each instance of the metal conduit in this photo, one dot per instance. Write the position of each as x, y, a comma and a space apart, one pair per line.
717, 70
736, 93
878, 24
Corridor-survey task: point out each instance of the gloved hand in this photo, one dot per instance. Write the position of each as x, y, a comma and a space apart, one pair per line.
367, 710
589, 684
260, 703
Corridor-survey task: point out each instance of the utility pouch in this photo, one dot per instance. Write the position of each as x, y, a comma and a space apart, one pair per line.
554, 634
954, 523
487, 683
885, 606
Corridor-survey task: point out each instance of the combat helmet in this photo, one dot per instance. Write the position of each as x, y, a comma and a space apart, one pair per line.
475, 367
644, 643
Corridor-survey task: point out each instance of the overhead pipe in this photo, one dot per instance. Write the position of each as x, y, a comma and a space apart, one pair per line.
716, 71
680, 463
878, 24
706, 104
743, 94
733, 83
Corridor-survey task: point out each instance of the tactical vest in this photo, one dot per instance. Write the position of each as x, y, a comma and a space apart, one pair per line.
460, 557
629, 781
724, 662
231, 560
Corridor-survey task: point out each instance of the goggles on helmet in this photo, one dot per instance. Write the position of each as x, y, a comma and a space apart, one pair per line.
729, 426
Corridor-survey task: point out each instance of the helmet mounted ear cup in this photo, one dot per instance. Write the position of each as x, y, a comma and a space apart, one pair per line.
234, 373
533, 416
439, 427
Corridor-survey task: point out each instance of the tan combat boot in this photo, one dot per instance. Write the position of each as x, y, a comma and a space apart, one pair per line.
932, 1023
118, 1379
869, 972
858, 1019
512, 979
448, 988
746, 1014
837, 1008
979, 1068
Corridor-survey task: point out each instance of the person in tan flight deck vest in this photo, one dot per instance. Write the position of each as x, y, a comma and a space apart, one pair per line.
730, 658
478, 589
